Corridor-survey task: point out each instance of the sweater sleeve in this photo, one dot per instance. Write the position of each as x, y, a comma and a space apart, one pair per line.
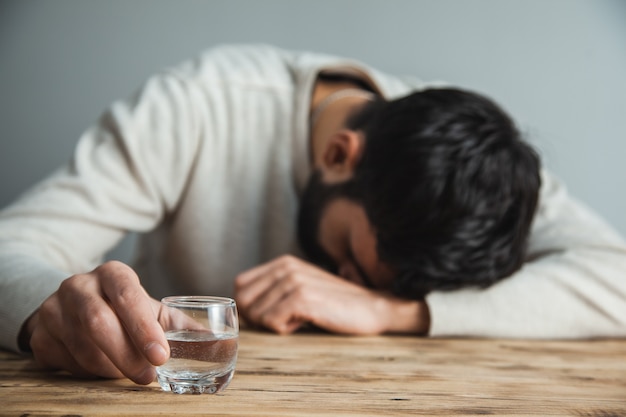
127, 173
573, 284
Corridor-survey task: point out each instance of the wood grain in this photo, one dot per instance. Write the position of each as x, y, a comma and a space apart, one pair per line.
313, 374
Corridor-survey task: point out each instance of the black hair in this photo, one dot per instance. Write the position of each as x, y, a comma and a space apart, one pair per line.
449, 186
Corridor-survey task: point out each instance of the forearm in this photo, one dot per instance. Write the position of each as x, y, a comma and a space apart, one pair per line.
579, 294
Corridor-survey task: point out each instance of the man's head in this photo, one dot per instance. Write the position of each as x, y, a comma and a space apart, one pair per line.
446, 184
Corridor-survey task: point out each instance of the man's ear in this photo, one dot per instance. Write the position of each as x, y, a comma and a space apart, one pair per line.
340, 156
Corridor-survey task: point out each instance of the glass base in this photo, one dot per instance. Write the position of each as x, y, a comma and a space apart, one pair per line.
182, 384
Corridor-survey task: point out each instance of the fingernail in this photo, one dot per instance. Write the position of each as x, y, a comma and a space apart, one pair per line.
156, 354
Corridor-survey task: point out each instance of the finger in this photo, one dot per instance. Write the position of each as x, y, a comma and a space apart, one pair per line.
104, 332
300, 282
247, 295
49, 353
271, 296
92, 332
83, 360
266, 277
289, 314
250, 275
61, 342
253, 274
134, 308
110, 360
85, 334
175, 319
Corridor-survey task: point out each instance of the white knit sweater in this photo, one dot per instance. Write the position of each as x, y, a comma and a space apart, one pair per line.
207, 162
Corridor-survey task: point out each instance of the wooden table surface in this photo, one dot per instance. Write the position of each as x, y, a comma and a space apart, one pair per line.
311, 374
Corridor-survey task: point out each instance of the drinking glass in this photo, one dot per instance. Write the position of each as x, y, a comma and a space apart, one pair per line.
203, 334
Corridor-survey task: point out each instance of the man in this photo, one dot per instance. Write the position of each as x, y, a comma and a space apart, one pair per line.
417, 204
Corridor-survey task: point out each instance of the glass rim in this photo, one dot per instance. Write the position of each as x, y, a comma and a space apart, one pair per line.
197, 301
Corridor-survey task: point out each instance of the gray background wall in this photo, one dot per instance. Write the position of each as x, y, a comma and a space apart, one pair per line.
559, 66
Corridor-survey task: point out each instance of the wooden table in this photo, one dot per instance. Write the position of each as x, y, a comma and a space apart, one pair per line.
311, 374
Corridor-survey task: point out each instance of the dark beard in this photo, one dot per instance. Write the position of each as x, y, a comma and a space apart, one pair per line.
313, 203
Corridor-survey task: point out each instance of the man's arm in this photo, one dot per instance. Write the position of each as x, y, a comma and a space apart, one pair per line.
573, 284
127, 173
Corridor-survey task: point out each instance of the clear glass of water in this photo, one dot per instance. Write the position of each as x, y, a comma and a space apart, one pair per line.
203, 334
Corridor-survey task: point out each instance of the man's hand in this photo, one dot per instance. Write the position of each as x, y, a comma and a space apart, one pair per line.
102, 323
287, 292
